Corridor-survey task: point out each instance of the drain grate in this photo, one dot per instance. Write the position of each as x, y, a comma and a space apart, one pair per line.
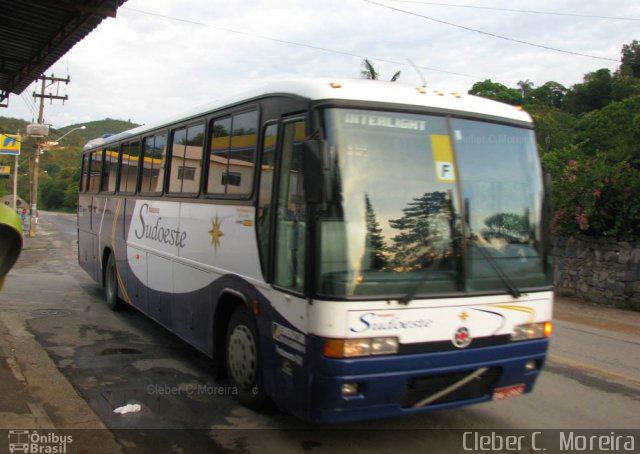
50, 313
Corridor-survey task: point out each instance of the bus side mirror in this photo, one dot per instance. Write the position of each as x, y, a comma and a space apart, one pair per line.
313, 171
10, 240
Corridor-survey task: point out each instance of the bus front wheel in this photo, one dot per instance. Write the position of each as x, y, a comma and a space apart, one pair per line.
244, 364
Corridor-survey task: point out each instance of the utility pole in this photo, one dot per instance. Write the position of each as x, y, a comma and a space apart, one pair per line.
33, 220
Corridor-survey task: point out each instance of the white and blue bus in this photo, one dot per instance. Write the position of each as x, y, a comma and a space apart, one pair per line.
349, 250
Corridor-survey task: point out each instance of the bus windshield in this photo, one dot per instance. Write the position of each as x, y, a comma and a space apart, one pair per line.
430, 205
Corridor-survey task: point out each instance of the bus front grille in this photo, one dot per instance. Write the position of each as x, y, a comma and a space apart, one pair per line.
438, 389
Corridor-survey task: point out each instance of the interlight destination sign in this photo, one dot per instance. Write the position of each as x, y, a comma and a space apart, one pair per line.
385, 121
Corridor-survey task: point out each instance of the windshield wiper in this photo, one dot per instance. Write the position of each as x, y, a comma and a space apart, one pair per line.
411, 294
504, 277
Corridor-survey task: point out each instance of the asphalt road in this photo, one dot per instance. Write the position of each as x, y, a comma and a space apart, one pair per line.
69, 362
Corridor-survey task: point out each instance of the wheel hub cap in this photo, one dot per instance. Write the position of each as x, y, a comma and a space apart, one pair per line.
242, 356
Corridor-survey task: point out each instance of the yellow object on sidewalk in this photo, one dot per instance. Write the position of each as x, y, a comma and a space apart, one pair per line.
10, 240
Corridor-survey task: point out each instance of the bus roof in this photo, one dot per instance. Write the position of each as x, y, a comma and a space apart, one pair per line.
348, 90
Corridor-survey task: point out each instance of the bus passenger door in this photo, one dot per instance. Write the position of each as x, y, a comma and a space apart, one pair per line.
291, 210
288, 374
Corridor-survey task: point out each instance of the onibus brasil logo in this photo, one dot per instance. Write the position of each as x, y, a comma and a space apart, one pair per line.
34, 442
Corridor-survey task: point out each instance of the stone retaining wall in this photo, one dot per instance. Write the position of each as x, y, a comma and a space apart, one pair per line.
601, 270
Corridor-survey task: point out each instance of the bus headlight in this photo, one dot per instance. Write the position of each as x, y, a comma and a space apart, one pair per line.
350, 348
531, 331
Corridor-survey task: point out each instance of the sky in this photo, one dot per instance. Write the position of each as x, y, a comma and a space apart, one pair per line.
158, 58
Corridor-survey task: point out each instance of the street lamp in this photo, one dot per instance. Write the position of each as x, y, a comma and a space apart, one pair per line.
33, 220
55, 142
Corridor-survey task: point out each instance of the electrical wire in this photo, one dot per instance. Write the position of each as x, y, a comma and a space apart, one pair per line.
294, 43
509, 10
487, 33
29, 105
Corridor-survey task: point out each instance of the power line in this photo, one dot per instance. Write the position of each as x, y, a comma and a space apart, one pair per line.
294, 43
30, 104
528, 11
487, 33
27, 102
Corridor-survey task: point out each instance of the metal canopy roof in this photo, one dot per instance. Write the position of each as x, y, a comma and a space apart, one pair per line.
34, 34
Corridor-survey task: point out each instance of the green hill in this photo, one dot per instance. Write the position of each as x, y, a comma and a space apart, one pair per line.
96, 129
59, 164
93, 130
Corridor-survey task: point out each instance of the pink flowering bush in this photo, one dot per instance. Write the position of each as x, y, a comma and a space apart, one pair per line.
592, 195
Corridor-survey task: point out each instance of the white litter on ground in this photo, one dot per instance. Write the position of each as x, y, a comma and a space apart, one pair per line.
129, 408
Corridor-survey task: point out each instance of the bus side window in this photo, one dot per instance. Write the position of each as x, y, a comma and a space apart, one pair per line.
85, 173
177, 159
153, 159
129, 167
219, 155
239, 177
232, 151
291, 214
186, 156
95, 169
109, 170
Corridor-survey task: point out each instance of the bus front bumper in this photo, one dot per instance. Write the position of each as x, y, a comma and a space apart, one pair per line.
376, 387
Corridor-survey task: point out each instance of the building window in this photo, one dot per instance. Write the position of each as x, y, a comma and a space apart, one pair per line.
231, 179
153, 162
186, 173
186, 153
232, 154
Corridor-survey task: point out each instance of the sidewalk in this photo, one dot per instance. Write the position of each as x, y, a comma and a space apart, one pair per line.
34, 394
574, 310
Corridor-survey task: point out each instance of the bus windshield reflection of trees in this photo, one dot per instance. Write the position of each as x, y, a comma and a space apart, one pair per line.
393, 221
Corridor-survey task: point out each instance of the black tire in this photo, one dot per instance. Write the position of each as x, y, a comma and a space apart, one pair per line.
111, 285
243, 360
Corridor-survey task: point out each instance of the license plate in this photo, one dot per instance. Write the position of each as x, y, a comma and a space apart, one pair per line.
509, 391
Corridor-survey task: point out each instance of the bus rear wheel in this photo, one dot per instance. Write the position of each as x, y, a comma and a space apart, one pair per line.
111, 285
244, 362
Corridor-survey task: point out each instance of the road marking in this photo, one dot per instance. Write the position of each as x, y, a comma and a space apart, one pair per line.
593, 369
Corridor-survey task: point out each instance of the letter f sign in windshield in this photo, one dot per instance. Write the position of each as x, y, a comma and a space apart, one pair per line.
445, 171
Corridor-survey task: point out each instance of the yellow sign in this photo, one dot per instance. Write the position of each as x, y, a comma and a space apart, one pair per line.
443, 158
9, 144
5, 171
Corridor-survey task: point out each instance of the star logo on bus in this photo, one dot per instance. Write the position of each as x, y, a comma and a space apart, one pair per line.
216, 232
464, 315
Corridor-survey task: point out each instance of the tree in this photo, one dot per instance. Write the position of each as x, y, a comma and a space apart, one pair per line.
553, 127
589, 139
511, 226
71, 196
614, 130
52, 194
497, 92
623, 87
369, 72
525, 88
630, 63
376, 250
549, 94
424, 231
592, 94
